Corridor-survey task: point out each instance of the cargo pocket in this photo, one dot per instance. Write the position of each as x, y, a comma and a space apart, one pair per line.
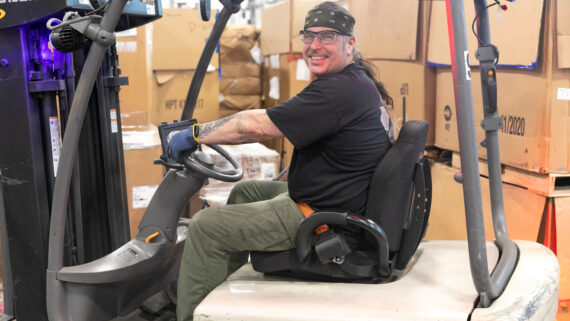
271, 230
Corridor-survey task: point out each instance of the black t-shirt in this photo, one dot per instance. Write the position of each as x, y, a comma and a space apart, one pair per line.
336, 127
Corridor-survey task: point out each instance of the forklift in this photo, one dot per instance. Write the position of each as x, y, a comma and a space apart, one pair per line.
397, 278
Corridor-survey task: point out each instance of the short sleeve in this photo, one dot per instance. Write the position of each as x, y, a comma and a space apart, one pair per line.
307, 117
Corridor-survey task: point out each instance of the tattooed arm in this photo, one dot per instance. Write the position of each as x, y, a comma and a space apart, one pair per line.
247, 126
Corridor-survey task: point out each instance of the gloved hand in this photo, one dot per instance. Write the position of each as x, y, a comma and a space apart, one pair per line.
181, 142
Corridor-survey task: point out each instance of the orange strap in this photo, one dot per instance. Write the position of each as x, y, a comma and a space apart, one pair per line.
307, 211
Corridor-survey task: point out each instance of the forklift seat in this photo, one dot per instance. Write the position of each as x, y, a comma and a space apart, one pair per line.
369, 248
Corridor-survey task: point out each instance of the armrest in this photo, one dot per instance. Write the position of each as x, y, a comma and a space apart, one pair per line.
303, 240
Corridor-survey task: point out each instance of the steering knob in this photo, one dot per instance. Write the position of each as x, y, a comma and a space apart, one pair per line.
204, 158
202, 163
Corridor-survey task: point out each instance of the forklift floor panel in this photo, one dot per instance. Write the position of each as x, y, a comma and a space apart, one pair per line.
437, 285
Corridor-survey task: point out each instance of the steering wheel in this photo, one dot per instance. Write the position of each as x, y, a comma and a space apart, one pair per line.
201, 163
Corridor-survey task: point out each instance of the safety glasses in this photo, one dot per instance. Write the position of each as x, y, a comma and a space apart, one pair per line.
325, 37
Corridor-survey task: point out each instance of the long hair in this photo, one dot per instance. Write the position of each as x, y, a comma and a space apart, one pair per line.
370, 69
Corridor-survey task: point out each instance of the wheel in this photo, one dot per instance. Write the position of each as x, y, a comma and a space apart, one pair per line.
205, 9
200, 162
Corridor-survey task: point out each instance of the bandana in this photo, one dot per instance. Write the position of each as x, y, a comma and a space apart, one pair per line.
329, 18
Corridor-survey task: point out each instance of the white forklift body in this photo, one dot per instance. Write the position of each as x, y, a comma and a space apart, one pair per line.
436, 285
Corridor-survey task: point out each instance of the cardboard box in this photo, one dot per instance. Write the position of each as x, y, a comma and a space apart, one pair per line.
258, 163
231, 104
141, 148
387, 29
562, 206
239, 44
523, 209
134, 48
235, 70
170, 89
273, 39
283, 78
532, 104
563, 33
536, 131
240, 86
179, 38
516, 32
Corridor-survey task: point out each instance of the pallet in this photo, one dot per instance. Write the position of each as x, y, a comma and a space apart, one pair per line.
550, 185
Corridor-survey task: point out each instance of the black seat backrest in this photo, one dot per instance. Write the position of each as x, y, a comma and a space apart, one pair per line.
389, 194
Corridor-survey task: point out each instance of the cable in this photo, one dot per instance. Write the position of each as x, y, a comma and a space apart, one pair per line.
68, 22
99, 9
477, 16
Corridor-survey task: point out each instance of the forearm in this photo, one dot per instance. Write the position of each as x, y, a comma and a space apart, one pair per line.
244, 127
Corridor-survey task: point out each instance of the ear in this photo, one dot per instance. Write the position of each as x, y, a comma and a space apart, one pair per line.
350, 45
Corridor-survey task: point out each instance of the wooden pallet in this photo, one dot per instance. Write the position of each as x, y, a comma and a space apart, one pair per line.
551, 184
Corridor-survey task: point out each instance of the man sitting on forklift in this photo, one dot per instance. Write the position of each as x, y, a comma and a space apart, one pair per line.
340, 128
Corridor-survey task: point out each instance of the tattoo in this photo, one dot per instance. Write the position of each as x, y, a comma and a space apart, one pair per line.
211, 127
242, 138
208, 128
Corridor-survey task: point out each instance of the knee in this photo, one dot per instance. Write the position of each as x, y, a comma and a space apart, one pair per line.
240, 192
204, 220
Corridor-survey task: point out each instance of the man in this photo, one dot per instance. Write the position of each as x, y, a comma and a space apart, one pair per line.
339, 127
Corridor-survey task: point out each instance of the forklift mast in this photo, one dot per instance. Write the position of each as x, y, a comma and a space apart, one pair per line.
37, 87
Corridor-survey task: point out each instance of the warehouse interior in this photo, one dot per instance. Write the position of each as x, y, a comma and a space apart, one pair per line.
145, 79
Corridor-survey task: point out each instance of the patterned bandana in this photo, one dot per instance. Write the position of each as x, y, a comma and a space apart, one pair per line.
329, 18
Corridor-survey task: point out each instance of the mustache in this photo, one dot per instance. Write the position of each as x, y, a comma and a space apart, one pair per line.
315, 52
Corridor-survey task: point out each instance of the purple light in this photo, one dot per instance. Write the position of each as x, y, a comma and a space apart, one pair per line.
45, 51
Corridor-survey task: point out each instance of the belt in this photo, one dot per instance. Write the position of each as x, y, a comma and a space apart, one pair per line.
307, 211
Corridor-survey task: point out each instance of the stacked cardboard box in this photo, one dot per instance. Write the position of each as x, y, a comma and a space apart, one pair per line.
257, 161
141, 147
532, 99
177, 42
159, 59
240, 59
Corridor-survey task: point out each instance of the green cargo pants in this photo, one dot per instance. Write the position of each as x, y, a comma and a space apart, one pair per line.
259, 216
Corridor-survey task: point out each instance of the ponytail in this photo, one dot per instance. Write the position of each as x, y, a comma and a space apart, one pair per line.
372, 72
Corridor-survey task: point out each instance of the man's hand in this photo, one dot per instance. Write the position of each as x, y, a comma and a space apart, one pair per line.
180, 143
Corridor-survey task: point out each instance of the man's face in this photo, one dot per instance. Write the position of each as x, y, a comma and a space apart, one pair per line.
328, 58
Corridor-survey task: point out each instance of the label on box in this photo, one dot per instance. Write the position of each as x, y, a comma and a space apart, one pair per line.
256, 54
267, 171
274, 88
274, 59
142, 195
563, 94
55, 143
303, 72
